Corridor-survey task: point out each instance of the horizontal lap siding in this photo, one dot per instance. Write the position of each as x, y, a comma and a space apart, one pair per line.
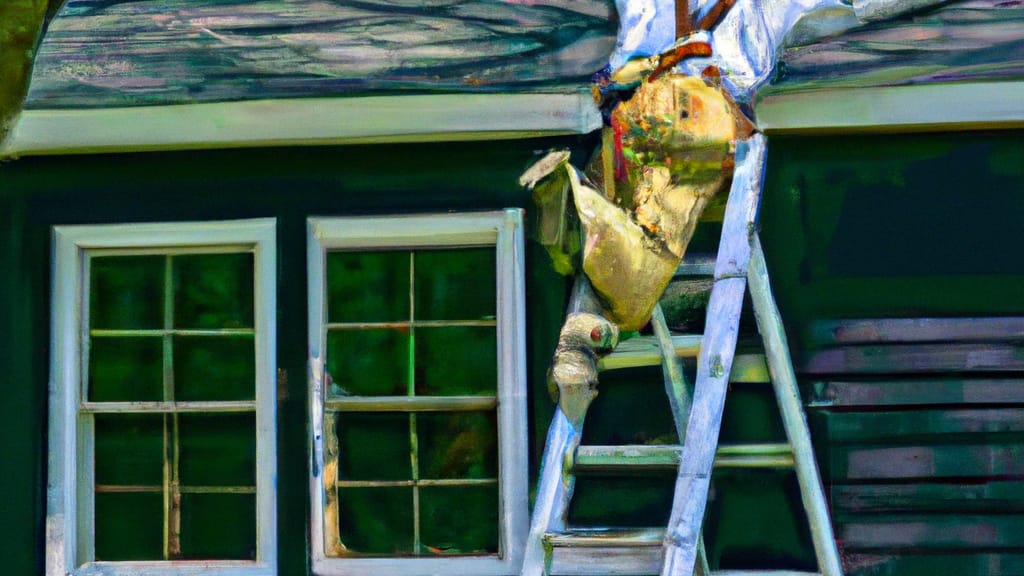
921, 443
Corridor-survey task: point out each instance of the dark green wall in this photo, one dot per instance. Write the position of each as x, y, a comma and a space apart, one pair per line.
852, 226
898, 226
895, 225
289, 184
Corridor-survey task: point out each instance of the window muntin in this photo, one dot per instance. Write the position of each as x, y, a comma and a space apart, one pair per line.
417, 424
162, 405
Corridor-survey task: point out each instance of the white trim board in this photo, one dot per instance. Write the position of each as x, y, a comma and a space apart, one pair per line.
918, 108
303, 121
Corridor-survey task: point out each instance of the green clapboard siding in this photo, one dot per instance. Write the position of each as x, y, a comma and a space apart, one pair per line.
988, 497
896, 264
882, 564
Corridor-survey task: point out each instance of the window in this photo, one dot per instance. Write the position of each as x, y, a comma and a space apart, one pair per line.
418, 394
162, 443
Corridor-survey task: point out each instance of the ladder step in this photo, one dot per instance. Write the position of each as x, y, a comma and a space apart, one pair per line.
600, 551
651, 457
621, 552
604, 537
696, 265
643, 351
763, 573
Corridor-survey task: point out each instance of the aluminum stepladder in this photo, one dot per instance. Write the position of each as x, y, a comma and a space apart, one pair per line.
556, 549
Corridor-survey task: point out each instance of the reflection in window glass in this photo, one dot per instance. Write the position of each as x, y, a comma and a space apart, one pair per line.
377, 520
475, 372
459, 520
374, 446
128, 525
368, 362
449, 284
458, 445
214, 368
350, 273
126, 369
218, 525
127, 292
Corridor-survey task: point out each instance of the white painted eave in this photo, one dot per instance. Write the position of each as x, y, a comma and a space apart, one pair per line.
300, 122
916, 108
467, 117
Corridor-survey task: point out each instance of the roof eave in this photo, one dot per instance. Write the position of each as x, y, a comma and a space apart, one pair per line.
912, 108
302, 122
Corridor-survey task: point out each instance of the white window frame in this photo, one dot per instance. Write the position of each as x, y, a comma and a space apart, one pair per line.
504, 231
70, 515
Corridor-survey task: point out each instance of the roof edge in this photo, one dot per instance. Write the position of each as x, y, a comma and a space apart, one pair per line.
915, 108
302, 121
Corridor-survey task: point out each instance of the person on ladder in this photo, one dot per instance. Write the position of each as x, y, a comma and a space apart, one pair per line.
678, 129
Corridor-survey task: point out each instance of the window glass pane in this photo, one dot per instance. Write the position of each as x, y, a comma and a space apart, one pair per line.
367, 286
221, 526
214, 368
126, 292
129, 449
455, 284
475, 372
126, 369
217, 449
368, 362
459, 519
130, 526
376, 521
458, 445
374, 446
213, 291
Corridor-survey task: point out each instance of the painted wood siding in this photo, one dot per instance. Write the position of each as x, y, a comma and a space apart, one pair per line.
920, 470
113, 53
895, 263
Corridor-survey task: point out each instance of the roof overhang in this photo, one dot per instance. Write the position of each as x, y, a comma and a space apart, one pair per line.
914, 108
302, 121
467, 117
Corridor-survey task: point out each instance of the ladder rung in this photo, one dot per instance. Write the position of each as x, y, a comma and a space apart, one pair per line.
621, 552
644, 351
696, 265
763, 573
647, 457
588, 552
601, 537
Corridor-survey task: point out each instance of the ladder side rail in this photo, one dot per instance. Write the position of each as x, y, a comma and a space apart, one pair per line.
715, 360
794, 420
676, 387
556, 480
680, 400
554, 491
